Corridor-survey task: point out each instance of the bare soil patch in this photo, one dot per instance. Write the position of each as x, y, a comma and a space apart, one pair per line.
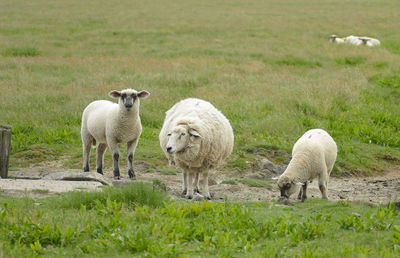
226, 185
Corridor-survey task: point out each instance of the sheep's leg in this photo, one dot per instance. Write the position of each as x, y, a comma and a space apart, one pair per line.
115, 152
189, 181
323, 183
131, 147
304, 192
206, 193
196, 183
184, 174
87, 141
100, 157
300, 193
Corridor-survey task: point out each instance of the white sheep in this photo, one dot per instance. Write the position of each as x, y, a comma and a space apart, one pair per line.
197, 138
106, 123
353, 40
313, 156
370, 42
335, 39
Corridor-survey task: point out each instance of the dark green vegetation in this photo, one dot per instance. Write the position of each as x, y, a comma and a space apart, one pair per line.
136, 220
267, 65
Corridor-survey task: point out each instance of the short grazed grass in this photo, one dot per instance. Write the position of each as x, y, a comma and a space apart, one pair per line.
256, 183
168, 171
123, 226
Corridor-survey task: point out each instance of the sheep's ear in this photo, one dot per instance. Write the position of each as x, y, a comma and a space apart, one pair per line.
275, 178
143, 94
193, 132
114, 94
299, 183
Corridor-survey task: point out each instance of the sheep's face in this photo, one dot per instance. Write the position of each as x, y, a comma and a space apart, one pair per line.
287, 186
127, 98
333, 38
179, 138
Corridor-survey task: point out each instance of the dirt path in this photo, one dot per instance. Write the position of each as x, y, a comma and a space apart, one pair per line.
374, 190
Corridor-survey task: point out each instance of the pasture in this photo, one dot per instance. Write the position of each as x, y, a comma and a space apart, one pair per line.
267, 65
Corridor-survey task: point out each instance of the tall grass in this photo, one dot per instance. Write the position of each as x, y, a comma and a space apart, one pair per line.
267, 65
133, 194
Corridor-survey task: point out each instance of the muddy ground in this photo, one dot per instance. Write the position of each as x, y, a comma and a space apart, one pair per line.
374, 190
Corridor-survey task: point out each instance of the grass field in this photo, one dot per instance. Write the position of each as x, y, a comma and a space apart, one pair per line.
138, 221
267, 65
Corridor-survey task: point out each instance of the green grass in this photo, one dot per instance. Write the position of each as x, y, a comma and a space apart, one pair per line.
256, 183
273, 77
167, 171
132, 194
40, 191
125, 227
21, 52
229, 182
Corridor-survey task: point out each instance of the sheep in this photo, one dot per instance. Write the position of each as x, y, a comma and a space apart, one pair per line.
370, 42
353, 40
197, 138
107, 124
356, 40
335, 39
313, 156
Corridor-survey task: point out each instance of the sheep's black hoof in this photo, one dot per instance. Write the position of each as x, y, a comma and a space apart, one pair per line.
100, 171
116, 174
184, 192
86, 169
196, 190
189, 197
117, 177
131, 174
303, 198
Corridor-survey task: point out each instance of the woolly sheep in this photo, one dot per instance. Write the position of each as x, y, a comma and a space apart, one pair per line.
197, 138
335, 39
107, 124
356, 40
313, 156
353, 40
370, 42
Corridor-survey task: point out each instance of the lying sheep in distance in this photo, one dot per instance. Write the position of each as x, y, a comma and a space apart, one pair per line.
106, 124
197, 138
313, 156
370, 42
355, 40
335, 39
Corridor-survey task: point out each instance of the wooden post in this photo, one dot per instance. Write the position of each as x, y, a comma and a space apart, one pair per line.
5, 147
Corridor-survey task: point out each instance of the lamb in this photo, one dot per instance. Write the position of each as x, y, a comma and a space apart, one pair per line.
313, 156
197, 138
107, 124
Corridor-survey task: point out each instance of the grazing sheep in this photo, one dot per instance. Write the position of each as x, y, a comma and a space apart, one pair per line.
106, 123
197, 138
313, 156
335, 39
